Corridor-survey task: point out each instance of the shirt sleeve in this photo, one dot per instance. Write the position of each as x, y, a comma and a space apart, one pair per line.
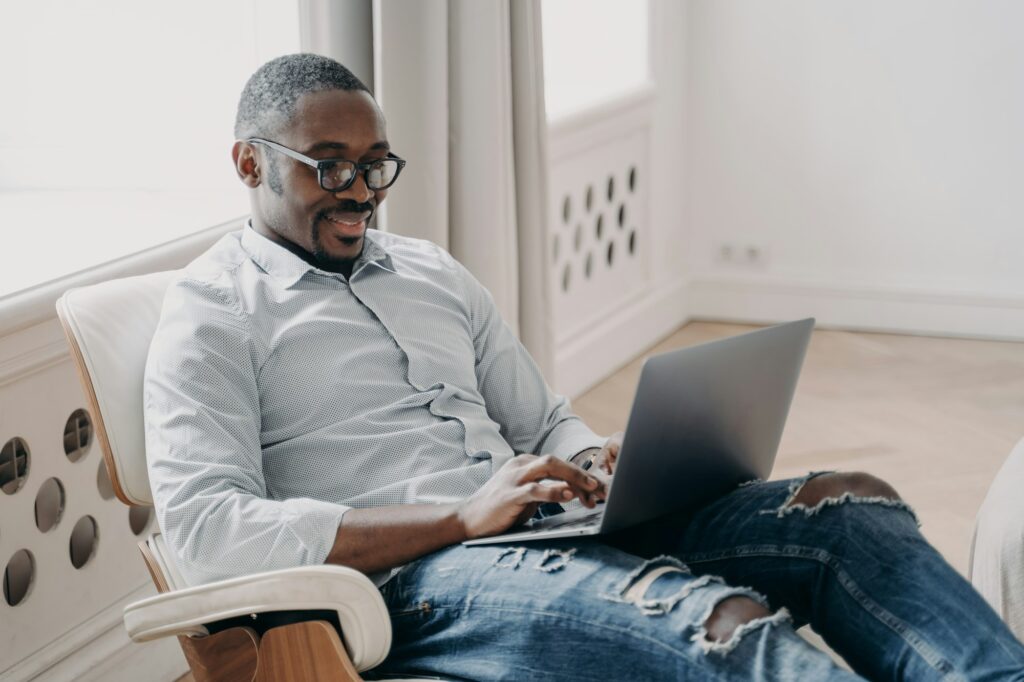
533, 419
202, 417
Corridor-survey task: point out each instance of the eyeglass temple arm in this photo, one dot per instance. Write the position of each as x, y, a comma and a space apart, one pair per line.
284, 150
313, 162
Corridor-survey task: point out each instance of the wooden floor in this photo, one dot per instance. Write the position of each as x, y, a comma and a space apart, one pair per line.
934, 417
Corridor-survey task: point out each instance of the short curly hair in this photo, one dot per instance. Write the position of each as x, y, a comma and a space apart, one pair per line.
269, 96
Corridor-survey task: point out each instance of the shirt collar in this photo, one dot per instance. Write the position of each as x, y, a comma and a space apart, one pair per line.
289, 268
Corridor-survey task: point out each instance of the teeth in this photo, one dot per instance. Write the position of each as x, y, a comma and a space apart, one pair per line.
346, 222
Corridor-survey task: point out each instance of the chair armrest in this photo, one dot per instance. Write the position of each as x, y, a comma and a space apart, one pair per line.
365, 625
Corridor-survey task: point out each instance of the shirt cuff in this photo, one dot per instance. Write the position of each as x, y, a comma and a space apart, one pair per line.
569, 438
316, 527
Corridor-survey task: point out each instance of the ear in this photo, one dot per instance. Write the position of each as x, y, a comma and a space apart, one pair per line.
246, 164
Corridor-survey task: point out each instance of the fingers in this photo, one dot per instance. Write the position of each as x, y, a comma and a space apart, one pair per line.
610, 452
562, 493
537, 492
578, 480
604, 476
526, 514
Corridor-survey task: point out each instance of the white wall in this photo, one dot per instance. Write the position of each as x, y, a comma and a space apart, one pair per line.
870, 152
116, 128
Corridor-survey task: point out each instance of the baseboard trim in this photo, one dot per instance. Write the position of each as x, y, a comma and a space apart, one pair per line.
873, 309
615, 339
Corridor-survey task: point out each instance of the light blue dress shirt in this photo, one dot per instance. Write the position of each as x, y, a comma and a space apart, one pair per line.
278, 396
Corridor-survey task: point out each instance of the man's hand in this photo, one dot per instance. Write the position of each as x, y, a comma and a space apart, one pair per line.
609, 454
602, 459
512, 495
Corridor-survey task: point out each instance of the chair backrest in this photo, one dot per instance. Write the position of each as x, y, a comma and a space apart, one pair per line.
109, 327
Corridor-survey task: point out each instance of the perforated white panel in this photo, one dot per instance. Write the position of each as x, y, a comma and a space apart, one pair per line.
36, 408
598, 227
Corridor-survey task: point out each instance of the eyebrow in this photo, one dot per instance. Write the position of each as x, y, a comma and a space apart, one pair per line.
341, 146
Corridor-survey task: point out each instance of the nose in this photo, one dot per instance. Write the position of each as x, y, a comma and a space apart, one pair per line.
357, 191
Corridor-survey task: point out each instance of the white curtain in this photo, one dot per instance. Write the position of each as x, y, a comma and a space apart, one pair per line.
461, 86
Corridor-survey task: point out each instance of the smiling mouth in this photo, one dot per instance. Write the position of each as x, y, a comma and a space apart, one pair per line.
349, 227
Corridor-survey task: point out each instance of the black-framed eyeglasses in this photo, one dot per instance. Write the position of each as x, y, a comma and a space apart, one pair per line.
337, 175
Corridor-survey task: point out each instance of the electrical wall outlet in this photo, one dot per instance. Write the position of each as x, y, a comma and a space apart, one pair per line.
725, 253
740, 255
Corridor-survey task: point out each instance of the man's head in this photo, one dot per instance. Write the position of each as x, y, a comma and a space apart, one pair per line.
315, 106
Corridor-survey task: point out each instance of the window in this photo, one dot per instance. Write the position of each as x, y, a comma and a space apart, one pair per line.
594, 50
116, 129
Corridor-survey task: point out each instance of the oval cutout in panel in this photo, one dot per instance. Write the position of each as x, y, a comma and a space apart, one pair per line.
19, 576
84, 540
49, 504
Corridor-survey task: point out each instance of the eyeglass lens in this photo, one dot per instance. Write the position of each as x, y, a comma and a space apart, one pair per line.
378, 176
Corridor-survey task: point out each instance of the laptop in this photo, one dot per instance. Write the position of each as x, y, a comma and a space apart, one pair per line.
704, 419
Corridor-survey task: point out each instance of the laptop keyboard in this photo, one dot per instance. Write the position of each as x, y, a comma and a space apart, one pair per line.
554, 522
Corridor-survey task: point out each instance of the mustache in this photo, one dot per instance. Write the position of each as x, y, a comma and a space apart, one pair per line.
347, 207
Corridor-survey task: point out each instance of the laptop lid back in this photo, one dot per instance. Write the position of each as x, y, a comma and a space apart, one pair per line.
705, 418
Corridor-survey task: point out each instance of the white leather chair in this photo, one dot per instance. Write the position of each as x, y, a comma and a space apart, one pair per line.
229, 630
997, 550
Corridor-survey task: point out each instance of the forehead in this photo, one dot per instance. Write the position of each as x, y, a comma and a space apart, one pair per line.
349, 117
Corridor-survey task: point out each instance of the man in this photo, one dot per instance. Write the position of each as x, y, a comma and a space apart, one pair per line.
321, 392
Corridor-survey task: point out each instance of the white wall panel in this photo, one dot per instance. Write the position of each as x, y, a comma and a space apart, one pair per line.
610, 291
64, 604
603, 320
69, 625
600, 235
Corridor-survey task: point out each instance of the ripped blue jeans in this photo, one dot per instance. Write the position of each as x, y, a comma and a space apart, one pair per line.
635, 605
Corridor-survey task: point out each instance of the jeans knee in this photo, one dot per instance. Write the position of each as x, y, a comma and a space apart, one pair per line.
833, 486
734, 617
840, 491
731, 613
